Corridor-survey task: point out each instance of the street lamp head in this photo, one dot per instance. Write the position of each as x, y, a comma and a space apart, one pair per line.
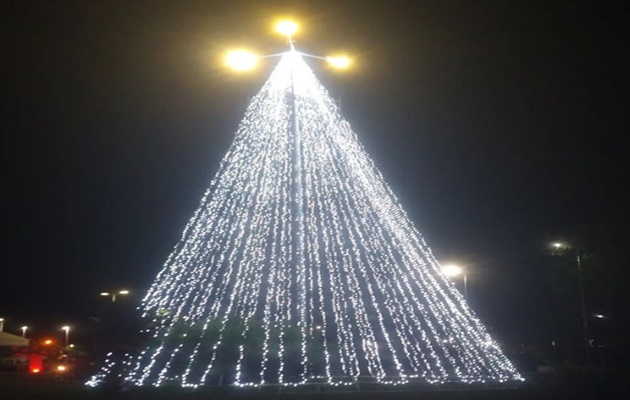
104, 293
241, 60
339, 62
24, 328
452, 270
287, 27
559, 245
65, 328
123, 292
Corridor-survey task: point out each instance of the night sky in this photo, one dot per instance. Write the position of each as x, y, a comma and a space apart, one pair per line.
499, 124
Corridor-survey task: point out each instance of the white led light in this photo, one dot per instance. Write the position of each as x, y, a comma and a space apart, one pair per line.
300, 266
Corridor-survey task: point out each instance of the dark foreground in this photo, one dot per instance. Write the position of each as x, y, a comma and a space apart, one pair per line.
575, 384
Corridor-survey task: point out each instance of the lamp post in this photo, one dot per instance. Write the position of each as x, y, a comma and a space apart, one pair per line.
452, 270
578, 262
66, 329
113, 294
24, 328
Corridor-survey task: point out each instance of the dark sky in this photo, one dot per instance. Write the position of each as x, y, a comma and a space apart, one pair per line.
500, 125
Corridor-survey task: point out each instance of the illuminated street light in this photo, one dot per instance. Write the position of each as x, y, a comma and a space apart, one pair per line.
287, 28
339, 62
24, 328
578, 261
452, 270
1, 324
241, 60
113, 294
66, 329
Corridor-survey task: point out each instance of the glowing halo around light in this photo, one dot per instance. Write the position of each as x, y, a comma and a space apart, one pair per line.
452, 270
241, 60
339, 62
287, 27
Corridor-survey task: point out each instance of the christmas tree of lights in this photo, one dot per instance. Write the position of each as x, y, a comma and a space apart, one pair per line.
300, 266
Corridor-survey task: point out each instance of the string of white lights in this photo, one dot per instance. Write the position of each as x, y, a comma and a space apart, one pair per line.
300, 266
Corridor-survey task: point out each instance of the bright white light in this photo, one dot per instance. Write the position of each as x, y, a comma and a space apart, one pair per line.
123, 292
558, 245
301, 266
287, 27
241, 60
65, 328
104, 294
452, 270
340, 62
601, 316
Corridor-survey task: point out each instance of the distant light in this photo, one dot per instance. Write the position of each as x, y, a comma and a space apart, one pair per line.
318, 327
61, 368
123, 292
104, 294
340, 62
24, 328
65, 328
287, 27
241, 60
47, 342
558, 245
71, 346
36, 370
452, 270
601, 316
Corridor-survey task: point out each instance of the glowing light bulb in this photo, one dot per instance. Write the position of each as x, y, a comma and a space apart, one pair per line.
452, 270
241, 60
340, 62
287, 27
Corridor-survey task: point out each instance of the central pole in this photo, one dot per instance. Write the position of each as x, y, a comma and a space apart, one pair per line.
298, 207
298, 199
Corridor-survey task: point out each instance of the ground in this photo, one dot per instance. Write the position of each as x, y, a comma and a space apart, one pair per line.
576, 384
